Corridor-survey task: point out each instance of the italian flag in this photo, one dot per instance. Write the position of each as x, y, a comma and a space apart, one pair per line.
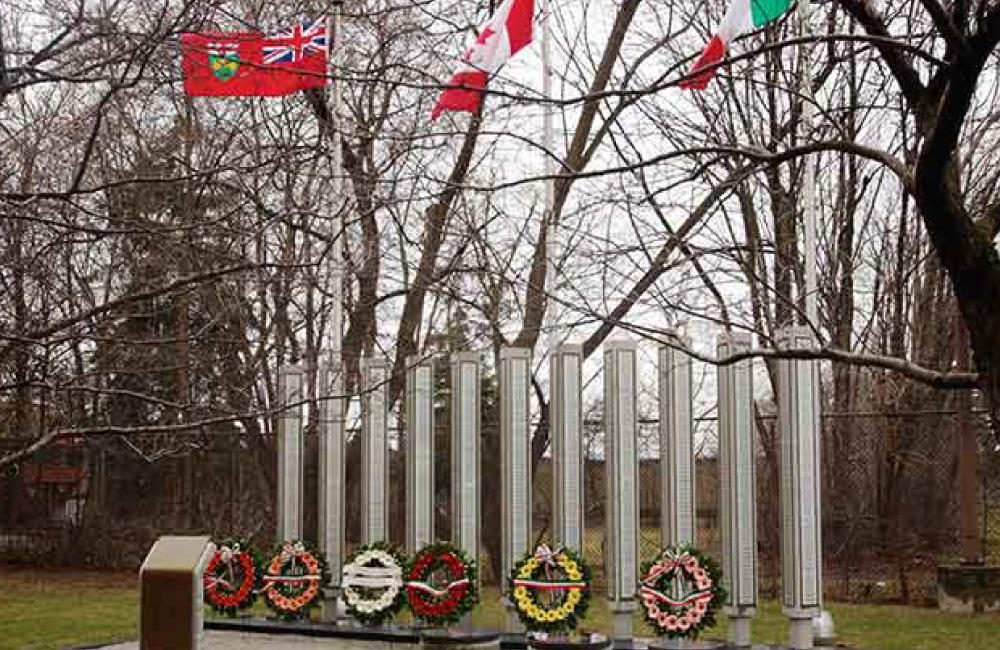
743, 16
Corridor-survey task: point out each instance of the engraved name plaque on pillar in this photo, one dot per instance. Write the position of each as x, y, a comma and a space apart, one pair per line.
799, 424
677, 468
566, 415
331, 474
621, 540
419, 452
374, 415
465, 452
737, 492
515, 460
290, 453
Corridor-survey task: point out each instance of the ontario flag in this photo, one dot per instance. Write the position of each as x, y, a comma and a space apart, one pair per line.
251, 64
742, 16
509, 30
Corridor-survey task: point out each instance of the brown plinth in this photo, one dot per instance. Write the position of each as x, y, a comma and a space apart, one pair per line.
170, 597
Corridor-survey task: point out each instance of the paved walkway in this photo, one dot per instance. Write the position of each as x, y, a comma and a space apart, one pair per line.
215, 640
225, 640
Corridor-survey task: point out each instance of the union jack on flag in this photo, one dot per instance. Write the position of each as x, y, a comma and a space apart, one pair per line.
292, 45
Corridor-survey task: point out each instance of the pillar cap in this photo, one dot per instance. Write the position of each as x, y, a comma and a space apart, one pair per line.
419, 360
795, 336
734, 339
569, 348
374, 362
623, 343
671, 338
508, 352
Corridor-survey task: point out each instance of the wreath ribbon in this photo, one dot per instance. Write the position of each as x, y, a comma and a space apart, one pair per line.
226, 553
226, 556
701, 596
275, 579
372, 577
546, 555
437, 593
669, 563
550, 585
289, 551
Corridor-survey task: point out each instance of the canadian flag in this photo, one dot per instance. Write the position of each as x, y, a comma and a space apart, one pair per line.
509, 30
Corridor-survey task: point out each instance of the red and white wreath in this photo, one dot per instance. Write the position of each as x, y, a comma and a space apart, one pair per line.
681, 592
231, 578
441, 584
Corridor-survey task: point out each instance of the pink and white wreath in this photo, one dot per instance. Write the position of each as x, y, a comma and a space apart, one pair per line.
681, 592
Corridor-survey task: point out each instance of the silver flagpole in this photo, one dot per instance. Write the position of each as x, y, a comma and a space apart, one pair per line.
809, 171
548, 138
800, 417
565, 359
332, 513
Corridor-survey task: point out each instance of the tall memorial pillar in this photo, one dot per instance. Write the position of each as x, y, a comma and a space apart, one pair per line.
332, 515
375, 451
738, 488
515, 462
566, 416
801, 541
419, 452
290, 453
465, 380
677, 466
621, 539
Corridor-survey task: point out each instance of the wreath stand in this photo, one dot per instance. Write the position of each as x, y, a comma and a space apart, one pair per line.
558, 642
458, 638
687, 644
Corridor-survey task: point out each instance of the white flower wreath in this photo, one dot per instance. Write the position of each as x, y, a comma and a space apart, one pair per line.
386, 577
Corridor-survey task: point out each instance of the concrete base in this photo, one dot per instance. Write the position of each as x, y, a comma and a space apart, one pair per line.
513, 623
217, 640
621, 618
823, 629
538, 641
968, 588
332, 608
739, 631
688, 644
460, 640
388, 634
224, 631
800, 633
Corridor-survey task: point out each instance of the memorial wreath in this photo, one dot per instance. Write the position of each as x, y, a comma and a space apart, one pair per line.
294, 580
441, 584
681, 591
372, 583
232, 577
550, 589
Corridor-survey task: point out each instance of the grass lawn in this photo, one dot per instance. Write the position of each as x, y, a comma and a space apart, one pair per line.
42, 610
56, 609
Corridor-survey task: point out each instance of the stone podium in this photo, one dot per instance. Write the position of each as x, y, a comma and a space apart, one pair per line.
171, 593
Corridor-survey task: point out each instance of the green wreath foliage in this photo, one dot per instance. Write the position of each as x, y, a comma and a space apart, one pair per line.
464, 604
565, 625
230, 603
664, 584
382, 614
275, 594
